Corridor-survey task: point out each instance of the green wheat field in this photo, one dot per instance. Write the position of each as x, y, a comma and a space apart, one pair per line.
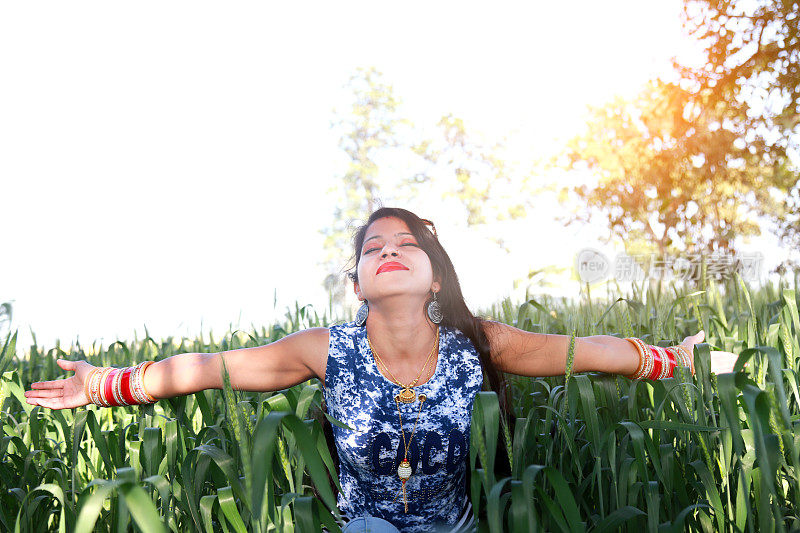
588, 452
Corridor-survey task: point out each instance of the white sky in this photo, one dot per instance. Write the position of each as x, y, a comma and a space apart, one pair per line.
165, 163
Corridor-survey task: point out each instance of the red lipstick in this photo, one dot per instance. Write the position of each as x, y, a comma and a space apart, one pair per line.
391, 265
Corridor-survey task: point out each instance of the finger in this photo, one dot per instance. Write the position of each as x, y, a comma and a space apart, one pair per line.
691, 340
66, 364
55, 384
50, 403
45, 393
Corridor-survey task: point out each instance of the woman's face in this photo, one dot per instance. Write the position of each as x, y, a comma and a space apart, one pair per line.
389, 240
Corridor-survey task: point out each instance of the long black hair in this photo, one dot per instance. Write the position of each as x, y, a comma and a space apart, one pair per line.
454, 310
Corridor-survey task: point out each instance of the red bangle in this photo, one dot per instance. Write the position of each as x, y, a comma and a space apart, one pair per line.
103, 391
125, 387
108, 389
112, 387
656, 362
672, 361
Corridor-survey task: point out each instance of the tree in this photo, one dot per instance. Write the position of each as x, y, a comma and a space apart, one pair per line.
692, 162
673, 175
452, 165
752, 62
752, 70
476, 175
369, 128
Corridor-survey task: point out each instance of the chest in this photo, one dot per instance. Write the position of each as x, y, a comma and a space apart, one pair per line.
432, 435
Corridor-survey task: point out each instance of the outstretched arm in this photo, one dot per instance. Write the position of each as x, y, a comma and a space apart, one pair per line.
274, 366
542, 354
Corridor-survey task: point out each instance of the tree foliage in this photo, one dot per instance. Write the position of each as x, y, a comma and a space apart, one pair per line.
477, 176
6, 312
367, 129
389, 161
752, 69
752, 65
690, 163
672, 175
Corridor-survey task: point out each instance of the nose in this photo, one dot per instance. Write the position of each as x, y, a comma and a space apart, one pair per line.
389, 249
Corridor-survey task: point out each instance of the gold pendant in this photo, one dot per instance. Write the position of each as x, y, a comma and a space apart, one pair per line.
404, 470
406, 395
404, 473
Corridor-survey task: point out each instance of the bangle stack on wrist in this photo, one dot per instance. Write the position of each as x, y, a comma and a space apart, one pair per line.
110, 387
656, 362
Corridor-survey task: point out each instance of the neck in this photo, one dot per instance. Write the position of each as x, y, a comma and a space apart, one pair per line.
400, 333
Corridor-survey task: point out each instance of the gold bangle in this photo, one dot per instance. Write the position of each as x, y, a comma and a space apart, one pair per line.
147, 397
100, 386
646, 358
93, 384
686, 359
638, 373
86, 388
134, 390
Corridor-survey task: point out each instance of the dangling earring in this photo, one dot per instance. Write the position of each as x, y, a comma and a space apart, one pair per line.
434, 310
361, 315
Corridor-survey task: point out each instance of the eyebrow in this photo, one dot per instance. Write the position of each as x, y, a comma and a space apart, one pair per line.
381, 236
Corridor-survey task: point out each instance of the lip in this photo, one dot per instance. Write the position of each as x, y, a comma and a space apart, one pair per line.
391, 265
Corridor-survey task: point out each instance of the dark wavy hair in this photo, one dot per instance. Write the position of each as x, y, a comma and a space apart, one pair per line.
454, 310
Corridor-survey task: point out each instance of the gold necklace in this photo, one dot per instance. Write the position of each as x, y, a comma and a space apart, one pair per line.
404, 468
407, 395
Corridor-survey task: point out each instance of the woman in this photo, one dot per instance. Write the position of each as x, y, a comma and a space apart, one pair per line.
403, 375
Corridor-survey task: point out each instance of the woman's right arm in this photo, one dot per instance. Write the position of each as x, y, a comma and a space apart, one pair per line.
275, 366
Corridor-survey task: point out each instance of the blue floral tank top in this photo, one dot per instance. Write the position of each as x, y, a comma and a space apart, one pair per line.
358, 395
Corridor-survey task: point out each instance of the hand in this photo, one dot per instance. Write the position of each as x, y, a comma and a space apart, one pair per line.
721, 362
62, 393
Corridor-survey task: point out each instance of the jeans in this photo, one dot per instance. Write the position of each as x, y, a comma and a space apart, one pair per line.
371, 524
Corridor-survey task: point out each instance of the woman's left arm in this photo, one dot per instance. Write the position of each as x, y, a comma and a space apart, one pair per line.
543, 354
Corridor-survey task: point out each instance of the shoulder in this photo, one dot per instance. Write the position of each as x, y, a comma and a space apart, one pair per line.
498, 333
493, 328
495, 332
343, 339
342, 344
501, 338
314, 343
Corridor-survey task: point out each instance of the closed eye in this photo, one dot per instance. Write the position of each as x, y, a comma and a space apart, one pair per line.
404, 244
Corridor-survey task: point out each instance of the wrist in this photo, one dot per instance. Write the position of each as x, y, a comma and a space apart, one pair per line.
656, 362
112, 387
617, 356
